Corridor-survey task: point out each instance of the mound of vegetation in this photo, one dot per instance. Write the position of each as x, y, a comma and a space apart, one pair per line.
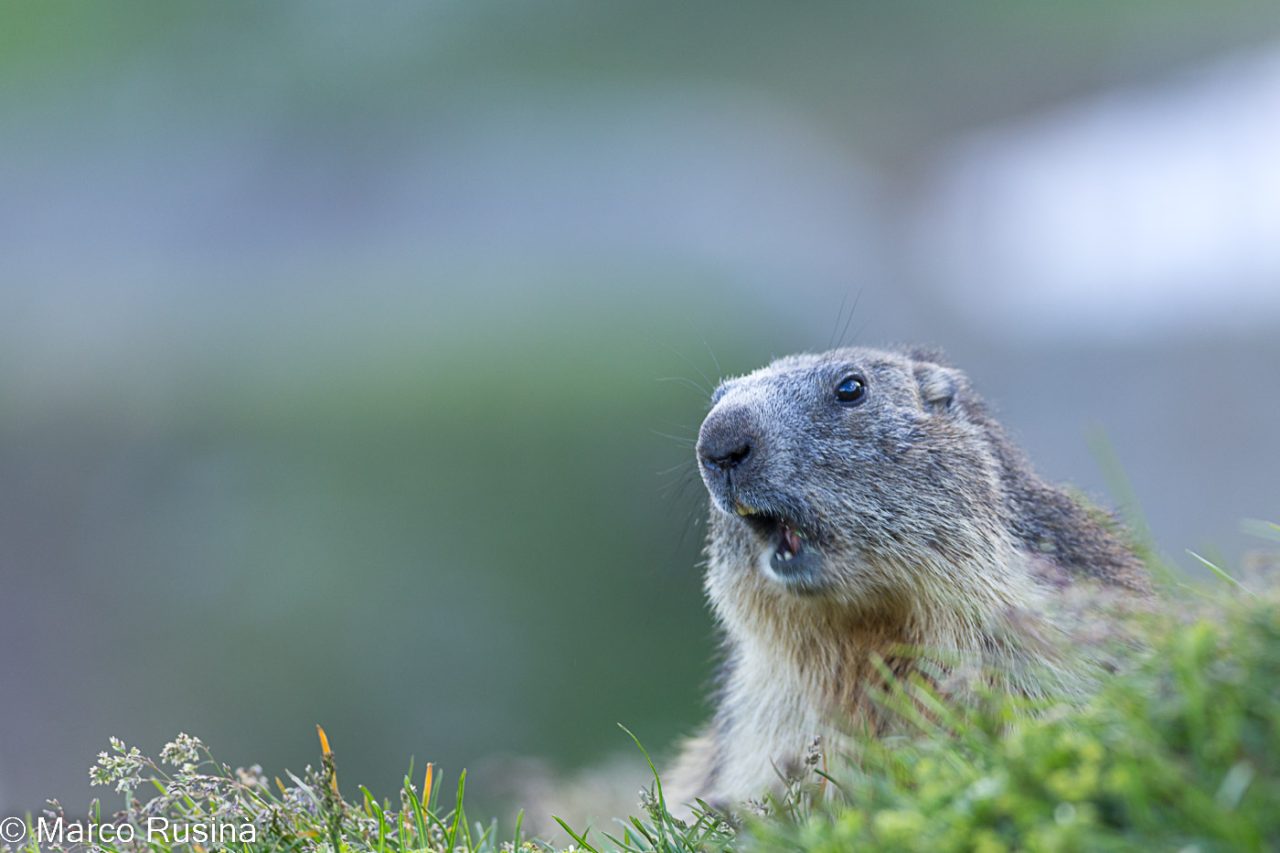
1179, 752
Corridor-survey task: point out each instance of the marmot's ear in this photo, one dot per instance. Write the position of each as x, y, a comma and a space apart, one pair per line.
939, 386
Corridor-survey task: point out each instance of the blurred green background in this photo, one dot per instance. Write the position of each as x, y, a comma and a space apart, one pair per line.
350, 354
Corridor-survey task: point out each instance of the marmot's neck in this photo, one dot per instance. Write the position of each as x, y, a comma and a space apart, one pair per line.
834, 648
837, 659
825, 641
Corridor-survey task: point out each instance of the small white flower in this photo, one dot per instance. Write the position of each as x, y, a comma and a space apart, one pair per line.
182, 751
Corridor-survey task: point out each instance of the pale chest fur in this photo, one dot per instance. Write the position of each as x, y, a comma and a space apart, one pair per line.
803, 669
773, 714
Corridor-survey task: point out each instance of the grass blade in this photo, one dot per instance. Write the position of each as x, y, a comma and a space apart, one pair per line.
1221, 573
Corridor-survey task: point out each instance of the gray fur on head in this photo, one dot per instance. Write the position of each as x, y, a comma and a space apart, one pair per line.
913, 479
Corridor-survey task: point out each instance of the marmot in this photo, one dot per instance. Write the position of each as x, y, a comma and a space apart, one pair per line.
864, 502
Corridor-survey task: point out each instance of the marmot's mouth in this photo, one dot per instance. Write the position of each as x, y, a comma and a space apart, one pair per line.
790, 546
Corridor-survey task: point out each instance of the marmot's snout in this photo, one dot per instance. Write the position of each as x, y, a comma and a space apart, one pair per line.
733, 456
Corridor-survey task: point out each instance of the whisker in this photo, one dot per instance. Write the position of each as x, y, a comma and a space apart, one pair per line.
849, 319
693, 430
675, 490
831, 340
862, 328
687, 382
710, 385
666, 472
691, 520
688, 442
712, 353
696, 514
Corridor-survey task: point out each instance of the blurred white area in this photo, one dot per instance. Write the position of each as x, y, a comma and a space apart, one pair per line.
1129, 214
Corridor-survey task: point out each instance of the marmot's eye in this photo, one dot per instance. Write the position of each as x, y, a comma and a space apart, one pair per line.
851, 390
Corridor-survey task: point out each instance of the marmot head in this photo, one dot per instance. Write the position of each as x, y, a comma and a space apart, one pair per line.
858, 475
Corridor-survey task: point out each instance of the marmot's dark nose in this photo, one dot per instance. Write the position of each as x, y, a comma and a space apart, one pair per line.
725, 441
727, 460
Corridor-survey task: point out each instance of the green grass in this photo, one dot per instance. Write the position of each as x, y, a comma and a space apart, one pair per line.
1179, 752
